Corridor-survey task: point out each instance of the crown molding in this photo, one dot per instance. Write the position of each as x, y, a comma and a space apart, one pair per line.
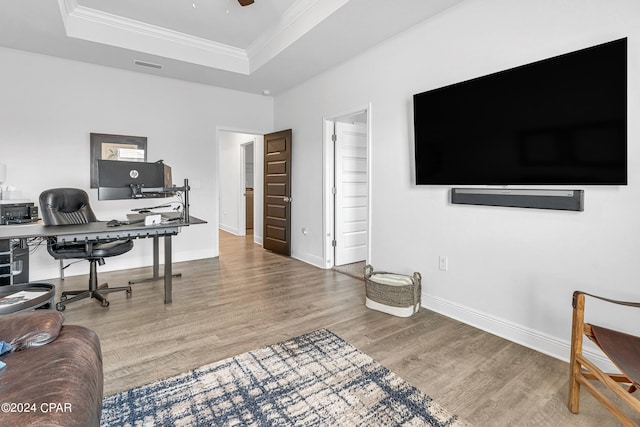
101, 27
105, 28
297, 21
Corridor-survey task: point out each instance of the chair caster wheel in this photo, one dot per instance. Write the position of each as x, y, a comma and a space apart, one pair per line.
128, 292
105, 303
60, 307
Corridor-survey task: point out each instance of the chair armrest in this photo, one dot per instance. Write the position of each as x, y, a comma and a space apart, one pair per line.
30, 328
626, 303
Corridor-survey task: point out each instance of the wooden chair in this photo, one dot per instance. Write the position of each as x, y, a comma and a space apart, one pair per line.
622, 349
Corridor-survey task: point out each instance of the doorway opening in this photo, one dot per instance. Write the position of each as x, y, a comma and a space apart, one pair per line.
240, 183
249, 163
347, 189
247, 176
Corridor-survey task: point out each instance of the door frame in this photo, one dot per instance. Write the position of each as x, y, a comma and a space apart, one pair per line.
257, 152
328, 156
242, 200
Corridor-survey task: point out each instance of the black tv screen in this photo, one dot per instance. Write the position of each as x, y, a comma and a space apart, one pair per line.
559, 121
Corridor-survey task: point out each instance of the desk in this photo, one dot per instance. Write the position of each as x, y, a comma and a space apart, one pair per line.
98, 231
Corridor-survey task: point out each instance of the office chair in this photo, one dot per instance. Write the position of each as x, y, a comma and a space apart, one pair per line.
622, 349
70, 206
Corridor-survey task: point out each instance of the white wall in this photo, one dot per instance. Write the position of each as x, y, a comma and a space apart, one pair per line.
49, 106
511, 271
231, 191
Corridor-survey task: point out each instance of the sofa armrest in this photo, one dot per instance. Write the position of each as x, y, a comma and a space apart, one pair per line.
30, 328
66, 372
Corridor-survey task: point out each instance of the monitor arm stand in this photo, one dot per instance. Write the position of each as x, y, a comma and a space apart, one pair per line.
138, 191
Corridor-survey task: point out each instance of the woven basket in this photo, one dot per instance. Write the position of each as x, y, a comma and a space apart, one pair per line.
395, 294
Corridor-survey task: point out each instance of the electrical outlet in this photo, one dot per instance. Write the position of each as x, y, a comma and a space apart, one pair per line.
444, 263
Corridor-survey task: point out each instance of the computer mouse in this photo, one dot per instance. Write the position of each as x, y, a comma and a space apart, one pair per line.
113, 223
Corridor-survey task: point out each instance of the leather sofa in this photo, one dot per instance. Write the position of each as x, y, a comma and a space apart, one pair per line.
53, 374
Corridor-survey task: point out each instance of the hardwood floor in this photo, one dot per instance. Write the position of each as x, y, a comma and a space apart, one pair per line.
249, 298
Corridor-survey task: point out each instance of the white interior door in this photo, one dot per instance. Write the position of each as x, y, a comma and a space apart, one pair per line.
351, 193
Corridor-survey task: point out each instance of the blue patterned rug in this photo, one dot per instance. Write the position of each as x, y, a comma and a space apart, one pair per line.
316, 379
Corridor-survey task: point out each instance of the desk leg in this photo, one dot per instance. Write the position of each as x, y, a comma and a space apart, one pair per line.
156, 264
156, 258
167, 269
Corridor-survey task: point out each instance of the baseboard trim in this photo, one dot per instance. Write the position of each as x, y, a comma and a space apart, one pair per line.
229, 229
309, 259
536, 340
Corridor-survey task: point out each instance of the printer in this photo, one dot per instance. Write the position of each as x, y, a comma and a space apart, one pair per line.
16, 212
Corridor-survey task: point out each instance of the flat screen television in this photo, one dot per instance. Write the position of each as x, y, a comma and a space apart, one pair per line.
559, 121
119, 180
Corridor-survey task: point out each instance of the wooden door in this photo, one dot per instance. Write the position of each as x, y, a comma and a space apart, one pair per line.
277, 192
351, 195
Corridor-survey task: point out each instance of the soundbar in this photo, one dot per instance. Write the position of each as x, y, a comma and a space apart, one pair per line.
569, 200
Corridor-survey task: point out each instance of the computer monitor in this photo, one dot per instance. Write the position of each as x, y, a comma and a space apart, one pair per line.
119, 180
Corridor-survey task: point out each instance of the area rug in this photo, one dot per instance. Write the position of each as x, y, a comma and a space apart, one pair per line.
316, 379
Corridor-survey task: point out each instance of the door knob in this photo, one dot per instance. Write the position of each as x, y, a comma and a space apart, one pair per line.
287, 199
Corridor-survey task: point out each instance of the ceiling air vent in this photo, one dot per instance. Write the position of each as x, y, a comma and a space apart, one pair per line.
147, 64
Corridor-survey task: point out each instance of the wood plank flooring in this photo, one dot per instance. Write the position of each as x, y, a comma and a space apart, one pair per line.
249, 298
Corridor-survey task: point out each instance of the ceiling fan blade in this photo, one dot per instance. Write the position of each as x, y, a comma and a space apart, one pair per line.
245, 2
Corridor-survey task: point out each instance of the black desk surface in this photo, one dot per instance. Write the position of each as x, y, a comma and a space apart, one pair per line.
93, 230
